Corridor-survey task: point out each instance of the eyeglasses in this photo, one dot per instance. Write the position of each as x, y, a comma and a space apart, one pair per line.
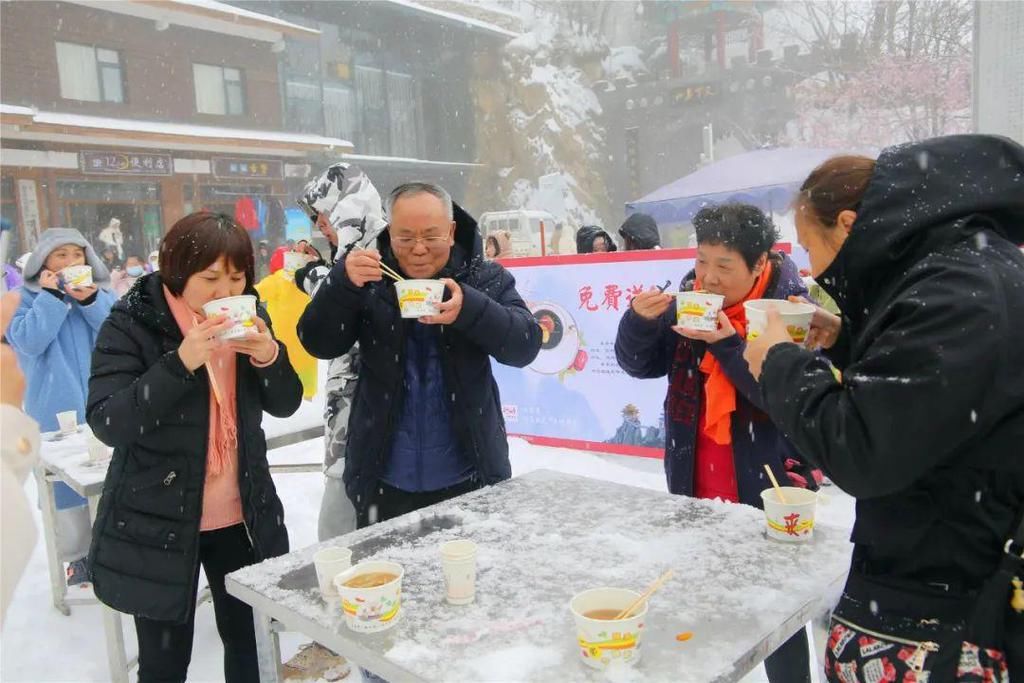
410, 242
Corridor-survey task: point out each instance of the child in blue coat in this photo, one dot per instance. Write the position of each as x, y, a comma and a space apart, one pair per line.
53, 332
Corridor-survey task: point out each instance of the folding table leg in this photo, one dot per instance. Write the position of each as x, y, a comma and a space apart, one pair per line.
58, 583
268, 648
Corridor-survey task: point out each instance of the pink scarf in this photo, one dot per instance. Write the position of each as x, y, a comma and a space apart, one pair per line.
222, 444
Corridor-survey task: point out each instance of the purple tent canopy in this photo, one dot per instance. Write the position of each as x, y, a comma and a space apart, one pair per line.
766, 178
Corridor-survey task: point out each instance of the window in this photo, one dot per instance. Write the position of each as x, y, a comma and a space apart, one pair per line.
402, 101
218, 90
303, 106
339, 112
390, 105
91, 74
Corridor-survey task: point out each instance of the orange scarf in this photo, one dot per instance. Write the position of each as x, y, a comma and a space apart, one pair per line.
222, 443
719, 393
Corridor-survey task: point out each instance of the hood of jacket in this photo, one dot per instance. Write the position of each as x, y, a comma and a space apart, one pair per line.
351, 202
922, 197
586, 235
642, 230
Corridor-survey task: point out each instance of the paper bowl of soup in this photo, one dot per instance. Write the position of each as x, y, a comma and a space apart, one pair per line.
240, 309
796, 317
417, 298
603, 639
698, 310
791, 521
77, 276
371, 595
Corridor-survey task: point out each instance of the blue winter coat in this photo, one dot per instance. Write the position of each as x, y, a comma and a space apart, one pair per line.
54, 340
649, 348
425, 454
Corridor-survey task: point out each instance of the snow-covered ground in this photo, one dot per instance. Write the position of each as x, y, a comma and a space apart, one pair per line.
40, 645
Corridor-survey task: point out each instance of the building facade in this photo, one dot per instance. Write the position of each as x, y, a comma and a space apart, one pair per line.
145, 112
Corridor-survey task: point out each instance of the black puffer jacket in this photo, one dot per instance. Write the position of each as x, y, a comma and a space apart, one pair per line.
155, 413
927, 427
494, 322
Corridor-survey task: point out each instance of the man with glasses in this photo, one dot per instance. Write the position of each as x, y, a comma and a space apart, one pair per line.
426, 422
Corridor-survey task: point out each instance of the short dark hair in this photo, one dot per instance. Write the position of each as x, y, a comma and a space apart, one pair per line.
199, 240
740, 227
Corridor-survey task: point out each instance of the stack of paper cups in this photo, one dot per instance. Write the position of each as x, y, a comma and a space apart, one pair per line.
458, 562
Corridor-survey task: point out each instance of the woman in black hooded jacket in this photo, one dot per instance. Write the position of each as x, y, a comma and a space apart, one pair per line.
189, 482
926, 425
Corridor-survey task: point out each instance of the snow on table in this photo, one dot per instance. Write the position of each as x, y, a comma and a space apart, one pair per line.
544, 537
68, 458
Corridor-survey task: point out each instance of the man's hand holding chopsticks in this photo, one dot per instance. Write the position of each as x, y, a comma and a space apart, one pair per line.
362, 266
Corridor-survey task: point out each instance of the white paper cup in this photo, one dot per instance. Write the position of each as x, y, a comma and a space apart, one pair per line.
294, 260
417, 298
458, 563
77, 276
98, 451
698, 310
369, 610
793, 521
330, 562
602, 642
797, 318
241, 309
68, 422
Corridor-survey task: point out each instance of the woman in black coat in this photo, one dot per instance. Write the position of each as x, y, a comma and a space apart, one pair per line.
189, 481
925, 427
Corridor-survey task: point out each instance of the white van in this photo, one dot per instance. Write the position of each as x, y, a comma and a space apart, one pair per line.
530, 233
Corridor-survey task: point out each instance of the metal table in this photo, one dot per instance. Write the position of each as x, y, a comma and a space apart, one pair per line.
542, 538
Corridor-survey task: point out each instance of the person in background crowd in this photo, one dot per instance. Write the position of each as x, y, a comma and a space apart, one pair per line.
183, 408
111, 237
491, 248
53, 331
346, 208
285, 304
13, 277
718, 437
925, 425
109, 258
122, 279
640, 232
154, 261
592, 239
277, 258
498, 245
262, 260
